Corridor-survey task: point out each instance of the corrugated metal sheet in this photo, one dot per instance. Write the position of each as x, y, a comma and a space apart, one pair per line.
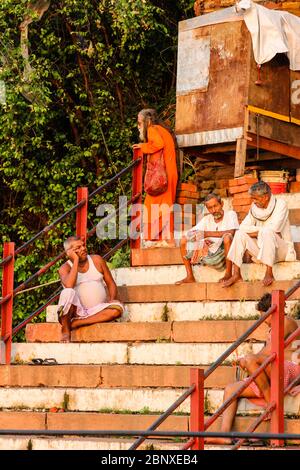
210, 137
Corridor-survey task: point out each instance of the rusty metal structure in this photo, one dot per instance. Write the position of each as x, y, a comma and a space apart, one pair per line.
229, 109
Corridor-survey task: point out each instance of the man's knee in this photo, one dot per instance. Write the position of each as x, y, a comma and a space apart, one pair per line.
267, 234
250, 361
230, 389
227, 238
116, 313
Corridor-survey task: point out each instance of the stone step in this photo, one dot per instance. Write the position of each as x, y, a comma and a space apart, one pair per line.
106, 376
109, 421
89, 443
187, 311
127, 353
124, 400
206, 331
154, 274
171, 256
200, 291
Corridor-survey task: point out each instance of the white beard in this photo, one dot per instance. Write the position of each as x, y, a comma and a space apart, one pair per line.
141, 133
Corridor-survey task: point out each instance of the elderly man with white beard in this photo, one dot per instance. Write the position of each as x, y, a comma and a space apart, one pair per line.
265, 234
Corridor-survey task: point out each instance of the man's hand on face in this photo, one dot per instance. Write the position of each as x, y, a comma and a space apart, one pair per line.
72, 254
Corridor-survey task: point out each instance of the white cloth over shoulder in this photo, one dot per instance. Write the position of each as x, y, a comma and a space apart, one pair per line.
208, 224
276, 218
272, 32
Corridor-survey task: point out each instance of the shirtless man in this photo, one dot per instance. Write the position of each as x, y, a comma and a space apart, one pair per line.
84, 299
260, 388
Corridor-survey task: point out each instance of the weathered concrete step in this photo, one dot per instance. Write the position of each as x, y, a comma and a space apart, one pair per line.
105, 376
121, 400
217, 331
124, 353
77, 443
201, 291
187, 311
109, 421
158, 267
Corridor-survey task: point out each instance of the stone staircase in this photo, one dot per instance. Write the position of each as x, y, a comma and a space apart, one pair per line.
122, 375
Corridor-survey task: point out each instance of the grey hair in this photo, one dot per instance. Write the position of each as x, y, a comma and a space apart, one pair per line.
212, 196
260, 189
69, 240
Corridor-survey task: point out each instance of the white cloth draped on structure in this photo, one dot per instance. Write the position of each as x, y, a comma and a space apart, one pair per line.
273, 32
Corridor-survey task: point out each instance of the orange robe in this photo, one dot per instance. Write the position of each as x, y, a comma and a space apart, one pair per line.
159, 223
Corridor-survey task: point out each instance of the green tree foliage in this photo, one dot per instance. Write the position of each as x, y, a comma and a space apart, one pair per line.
71, 120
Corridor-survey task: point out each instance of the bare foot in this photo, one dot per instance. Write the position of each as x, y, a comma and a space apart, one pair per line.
65, 337
186, 280
268, 280
232, 280
225, 278
218, 440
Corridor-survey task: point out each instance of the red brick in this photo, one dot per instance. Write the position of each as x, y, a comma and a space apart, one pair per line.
186, 200
243, 188
222, 184
187, 187
242, 181
188, 194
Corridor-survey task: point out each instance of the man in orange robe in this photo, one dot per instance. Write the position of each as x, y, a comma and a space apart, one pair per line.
158, 219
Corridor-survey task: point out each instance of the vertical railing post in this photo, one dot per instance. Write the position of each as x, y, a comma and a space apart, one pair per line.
82, 213
137, 187
7, 307
277, 367
197, 407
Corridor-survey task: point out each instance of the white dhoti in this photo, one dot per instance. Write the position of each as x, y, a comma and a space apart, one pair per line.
268, 248
69, 297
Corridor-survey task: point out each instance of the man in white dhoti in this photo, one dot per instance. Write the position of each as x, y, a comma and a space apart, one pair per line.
208, 243
265, 234
85, 299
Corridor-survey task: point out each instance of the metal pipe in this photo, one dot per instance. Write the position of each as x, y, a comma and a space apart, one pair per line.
163, 417
117, 176
137, 432
35, 314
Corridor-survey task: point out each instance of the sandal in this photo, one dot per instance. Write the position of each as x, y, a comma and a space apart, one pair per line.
51, 361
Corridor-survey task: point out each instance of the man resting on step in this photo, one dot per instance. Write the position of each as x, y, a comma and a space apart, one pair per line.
259, 389
208, 243
264, 234
84, 299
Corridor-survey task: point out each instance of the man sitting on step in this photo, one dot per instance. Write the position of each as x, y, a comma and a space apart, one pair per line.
84, 299
208, 243
264, 234
259, 389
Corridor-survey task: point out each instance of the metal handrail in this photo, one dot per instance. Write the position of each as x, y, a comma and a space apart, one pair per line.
250, 330
138, 432
71, 210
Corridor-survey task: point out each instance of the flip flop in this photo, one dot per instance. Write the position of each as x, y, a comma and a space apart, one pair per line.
51, 361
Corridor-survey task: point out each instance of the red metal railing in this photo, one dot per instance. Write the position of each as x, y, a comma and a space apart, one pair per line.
276, 359
9, 252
